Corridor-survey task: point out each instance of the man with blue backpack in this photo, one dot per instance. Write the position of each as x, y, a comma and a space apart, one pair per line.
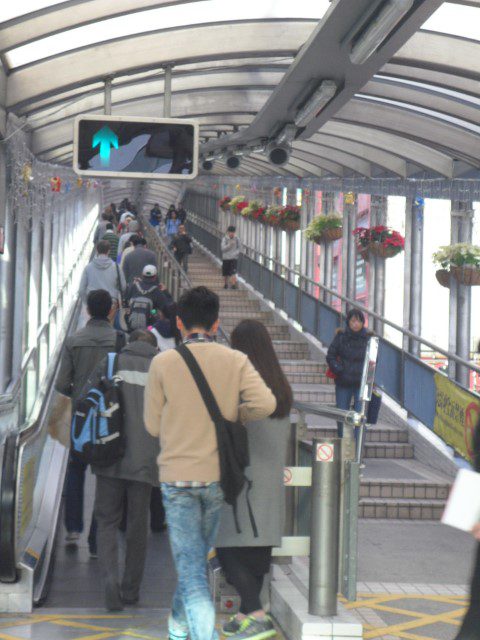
127, 463
82, 352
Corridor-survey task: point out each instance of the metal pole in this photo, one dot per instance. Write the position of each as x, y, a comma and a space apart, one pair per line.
108, 96
407, 277
452, 327
167, 92
416, 273
323, 581
464, 297
379, 209
351, 256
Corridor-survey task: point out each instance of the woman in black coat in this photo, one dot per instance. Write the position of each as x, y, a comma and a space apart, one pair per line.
345, 358
470, 629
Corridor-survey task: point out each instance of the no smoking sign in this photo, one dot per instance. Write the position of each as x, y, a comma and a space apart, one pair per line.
325, 452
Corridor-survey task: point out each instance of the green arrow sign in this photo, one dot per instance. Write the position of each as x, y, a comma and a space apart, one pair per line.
106, 139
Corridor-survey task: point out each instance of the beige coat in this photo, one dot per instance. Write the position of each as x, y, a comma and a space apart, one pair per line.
176, 413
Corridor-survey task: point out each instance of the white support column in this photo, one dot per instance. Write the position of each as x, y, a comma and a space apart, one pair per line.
460, 295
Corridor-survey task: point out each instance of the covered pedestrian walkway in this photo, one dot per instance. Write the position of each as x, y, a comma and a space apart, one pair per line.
341, 139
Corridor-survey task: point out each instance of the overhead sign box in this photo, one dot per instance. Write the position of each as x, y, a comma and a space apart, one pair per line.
129, 147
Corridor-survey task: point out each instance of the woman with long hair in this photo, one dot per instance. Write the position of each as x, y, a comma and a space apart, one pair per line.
246, 559
165, 328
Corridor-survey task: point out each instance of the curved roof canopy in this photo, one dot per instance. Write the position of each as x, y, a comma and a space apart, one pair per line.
245, 70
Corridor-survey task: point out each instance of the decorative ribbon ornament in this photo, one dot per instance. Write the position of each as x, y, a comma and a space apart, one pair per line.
55, 184
27, 172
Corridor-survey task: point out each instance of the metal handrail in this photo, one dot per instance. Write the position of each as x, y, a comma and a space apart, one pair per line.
405, 332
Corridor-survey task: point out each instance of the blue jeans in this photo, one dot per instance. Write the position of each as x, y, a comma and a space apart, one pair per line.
193, 516
74, 484
343, 398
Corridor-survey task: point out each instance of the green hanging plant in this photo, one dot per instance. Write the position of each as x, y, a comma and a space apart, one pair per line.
325, 228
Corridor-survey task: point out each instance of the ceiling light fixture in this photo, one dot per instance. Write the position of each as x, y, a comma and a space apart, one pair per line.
379, 28
318, 100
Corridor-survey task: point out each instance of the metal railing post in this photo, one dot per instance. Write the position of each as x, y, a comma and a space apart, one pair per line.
323, 580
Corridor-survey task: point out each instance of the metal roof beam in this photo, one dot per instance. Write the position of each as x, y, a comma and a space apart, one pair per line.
326, 55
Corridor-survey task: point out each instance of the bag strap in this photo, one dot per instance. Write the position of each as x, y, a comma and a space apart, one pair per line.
112, 365
202, 384
119, 285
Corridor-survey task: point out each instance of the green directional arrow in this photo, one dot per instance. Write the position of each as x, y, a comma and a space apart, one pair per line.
106, 139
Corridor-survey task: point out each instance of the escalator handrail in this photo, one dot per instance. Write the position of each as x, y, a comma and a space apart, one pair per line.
8, 493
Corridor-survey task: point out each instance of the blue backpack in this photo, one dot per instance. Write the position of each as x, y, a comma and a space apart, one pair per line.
97, 433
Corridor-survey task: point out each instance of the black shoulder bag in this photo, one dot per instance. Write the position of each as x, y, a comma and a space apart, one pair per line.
232, 442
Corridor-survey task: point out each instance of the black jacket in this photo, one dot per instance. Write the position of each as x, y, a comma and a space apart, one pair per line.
346, 355
182, 245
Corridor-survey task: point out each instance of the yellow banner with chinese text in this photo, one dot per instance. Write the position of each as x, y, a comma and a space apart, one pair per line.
456, 415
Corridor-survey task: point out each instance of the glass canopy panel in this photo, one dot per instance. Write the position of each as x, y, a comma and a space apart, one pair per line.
455, 20
203, 12
422, 110
464, 97
11, 10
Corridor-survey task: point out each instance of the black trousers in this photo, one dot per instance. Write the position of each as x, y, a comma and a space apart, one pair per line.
470, 629
245, 568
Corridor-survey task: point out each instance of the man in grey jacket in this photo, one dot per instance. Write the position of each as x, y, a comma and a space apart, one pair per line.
81, 354
132, 477
231, 247
137, 259
103, 273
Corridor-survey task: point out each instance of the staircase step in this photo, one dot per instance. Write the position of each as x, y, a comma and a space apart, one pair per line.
302, 366
276, 331
396, 450
308, 378
401, 509
378, 435
235, 316
239, 305
404, 490
285, 348
313, 393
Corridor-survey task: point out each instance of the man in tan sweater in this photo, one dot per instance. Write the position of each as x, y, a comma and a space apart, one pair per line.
188, 462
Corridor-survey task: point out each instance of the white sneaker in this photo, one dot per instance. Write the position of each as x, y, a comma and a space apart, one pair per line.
176, 631
72, 536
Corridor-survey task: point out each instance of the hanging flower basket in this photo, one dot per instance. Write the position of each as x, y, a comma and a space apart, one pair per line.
462, 260
290, 225
325, 228
466, 275
330, 235
382, 251
364, 252
443, 277
224, 203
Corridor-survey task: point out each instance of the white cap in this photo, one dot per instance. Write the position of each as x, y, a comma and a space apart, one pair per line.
149, 271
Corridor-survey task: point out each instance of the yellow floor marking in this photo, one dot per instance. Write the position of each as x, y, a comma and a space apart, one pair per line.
25, 621
413, 636
405, 626
5, 636
417, 614
81, 625
101, 636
